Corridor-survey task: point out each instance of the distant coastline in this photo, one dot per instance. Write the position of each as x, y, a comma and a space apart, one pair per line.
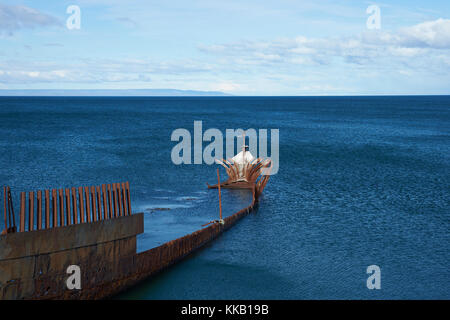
173, 93
112, 92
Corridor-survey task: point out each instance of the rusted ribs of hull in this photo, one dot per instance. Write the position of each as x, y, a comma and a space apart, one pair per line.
69, 206
247, 176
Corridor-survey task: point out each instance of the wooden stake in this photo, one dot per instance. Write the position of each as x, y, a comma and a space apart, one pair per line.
55, 207
74, 206
22, 212
81, 200
61, 207
128, 198
111, 214
87, 197
220, 199
68, 207
93, 200
47, 209
12, 222
31, 211
114, 198
105, 208
4, 205
119, 199
99, 203
124, 197
39, 209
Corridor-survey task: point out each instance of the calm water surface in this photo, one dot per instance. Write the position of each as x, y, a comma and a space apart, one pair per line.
362, 181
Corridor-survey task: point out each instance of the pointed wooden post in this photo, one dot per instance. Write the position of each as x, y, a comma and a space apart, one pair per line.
61, 207
119, 199
47, 209
105, 209
124, 198
128, 198
88, 204
68, 207
31, 211
111, 214
22, 212
4, 206
74, 206
55, 207
39, 210
220, 199
11, 211
81, 200
99, 203
93, 200
114, 198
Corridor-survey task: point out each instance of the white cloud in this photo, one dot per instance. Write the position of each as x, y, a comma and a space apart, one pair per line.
405, 52
425, 45
95, 70
228, 87
320, 89
433, 34
13, 18
24, 76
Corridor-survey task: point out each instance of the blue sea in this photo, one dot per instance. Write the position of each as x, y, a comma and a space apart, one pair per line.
362, 181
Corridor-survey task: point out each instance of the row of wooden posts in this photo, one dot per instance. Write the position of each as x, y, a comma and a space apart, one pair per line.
64, 207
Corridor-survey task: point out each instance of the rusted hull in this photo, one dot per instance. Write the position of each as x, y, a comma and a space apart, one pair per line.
33, 265
156, 260
233, 185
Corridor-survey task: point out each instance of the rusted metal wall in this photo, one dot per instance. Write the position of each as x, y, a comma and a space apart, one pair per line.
33, 265
150, 262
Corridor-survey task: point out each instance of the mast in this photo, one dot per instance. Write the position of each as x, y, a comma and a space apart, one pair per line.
243, 146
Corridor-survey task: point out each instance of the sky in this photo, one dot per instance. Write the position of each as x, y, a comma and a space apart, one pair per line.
240, 47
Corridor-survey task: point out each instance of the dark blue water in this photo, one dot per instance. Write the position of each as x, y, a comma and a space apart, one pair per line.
362, 181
